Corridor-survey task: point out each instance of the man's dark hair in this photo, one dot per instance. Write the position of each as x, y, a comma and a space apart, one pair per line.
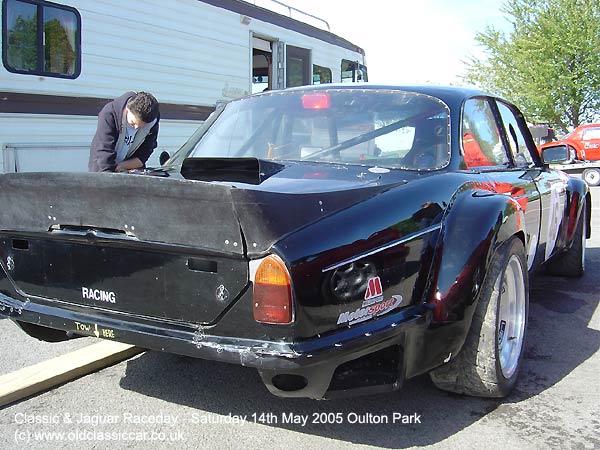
144, 106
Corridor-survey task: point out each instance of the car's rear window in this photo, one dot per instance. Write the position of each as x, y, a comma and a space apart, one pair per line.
385, 128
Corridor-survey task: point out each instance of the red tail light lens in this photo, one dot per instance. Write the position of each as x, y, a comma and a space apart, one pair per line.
316, 101
272, 292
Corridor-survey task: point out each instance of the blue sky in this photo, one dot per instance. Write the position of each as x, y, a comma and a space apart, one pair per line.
408, 41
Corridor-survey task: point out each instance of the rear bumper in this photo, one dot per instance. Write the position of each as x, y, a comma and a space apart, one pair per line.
366, 358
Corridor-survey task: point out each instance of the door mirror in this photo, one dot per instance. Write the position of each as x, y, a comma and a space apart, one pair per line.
163, 158
555, 154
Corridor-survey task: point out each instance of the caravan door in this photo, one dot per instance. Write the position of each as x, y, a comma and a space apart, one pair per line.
297, 66
262, 65
268, 68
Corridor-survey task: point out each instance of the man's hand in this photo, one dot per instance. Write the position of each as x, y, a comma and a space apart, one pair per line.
129, 164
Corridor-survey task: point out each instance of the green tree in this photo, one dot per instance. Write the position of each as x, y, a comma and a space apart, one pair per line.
22, 49
59, 54
548, 64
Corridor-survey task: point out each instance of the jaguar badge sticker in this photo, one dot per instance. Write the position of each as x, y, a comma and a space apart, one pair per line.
221, 293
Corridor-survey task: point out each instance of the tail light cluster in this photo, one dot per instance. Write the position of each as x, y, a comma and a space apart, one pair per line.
272, 290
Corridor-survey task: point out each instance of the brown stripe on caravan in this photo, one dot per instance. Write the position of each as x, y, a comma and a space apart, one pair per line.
12, 102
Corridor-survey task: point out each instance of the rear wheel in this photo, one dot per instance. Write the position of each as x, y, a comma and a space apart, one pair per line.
591, 176
572, 262
488, 363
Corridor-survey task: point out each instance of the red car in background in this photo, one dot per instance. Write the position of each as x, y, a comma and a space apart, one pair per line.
584, 140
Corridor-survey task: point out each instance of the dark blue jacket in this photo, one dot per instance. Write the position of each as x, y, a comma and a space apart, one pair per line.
103, 154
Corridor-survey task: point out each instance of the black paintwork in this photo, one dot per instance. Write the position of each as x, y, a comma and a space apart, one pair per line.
165, 240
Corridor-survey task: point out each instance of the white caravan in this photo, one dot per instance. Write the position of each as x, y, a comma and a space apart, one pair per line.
61, 62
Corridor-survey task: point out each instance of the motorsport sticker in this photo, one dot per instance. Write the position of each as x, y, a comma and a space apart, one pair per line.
365, 313
374, 292
373, 305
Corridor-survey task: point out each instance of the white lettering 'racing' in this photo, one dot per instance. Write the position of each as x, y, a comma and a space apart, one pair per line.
98, 295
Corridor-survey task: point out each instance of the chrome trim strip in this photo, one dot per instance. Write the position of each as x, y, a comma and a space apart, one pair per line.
403, 240
95, 233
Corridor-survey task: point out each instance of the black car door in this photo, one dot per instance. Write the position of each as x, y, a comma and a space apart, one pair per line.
487, 149
548, 203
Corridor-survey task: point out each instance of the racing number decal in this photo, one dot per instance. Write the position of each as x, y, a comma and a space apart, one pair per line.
557, 206
533, 243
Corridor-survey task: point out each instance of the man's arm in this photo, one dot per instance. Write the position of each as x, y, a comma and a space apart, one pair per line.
128, 164
102, 151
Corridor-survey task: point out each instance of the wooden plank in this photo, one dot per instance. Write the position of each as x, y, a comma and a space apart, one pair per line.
45, 375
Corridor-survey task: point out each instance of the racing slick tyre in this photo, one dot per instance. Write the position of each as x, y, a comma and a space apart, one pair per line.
488, 363
591, 177
572, 262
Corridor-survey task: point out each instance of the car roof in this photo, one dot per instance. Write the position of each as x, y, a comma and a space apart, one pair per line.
448, 94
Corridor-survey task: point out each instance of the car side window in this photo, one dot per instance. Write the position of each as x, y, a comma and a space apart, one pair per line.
481, 143
591, 133
518, 147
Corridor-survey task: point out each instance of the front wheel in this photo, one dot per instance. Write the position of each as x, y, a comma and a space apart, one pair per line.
488, 363
591, 177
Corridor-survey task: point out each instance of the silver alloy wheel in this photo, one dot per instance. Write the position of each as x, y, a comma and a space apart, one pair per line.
591, 177
511, 317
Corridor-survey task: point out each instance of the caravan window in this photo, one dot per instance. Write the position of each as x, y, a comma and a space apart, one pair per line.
41, 38
353, 71
321, 75
297, 61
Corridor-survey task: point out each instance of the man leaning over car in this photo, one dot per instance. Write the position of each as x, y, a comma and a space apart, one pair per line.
126, 133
